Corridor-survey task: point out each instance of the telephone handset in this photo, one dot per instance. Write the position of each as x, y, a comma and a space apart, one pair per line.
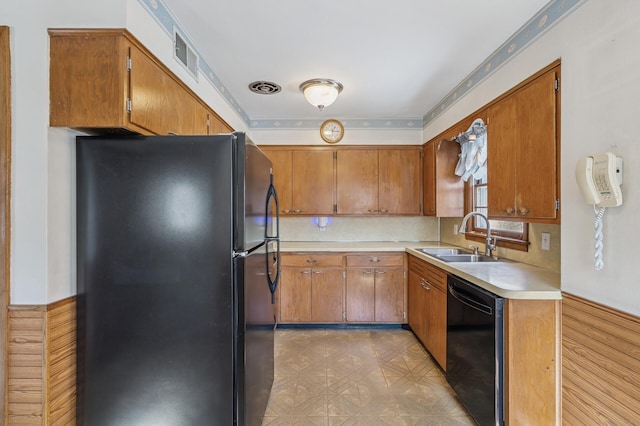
599, 177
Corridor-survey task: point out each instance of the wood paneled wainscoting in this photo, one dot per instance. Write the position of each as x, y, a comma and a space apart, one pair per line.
600, 364
42, 364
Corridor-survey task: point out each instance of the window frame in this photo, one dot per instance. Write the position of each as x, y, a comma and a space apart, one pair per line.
507, 239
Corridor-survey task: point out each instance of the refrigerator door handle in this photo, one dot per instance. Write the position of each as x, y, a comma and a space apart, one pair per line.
273, 283
272, 193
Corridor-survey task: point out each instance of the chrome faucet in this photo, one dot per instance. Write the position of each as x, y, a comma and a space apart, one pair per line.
490, 246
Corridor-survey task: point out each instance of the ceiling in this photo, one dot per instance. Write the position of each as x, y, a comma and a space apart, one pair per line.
394, 61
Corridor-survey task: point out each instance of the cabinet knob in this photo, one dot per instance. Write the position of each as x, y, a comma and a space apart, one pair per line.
510, 210
432, 210
524, 211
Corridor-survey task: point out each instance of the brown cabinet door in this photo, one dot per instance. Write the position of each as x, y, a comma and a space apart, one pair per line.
417, 307
399, 183
502, 144
158, 103
313, 182
360, 294
389, 295
429, 180
522, 149
282, 176
88, 80
536, 158
327, 295
437, 327
295, 295
357, 181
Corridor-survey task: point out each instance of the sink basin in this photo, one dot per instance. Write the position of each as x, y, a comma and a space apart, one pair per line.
466, 258
443, 251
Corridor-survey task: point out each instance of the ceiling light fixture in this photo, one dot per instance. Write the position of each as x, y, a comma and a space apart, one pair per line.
321, 92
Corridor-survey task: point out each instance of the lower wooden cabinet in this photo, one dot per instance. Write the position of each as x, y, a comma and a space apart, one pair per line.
319, 288
428, 307
375, 288
311, 288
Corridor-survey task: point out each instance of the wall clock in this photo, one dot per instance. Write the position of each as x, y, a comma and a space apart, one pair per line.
331, 131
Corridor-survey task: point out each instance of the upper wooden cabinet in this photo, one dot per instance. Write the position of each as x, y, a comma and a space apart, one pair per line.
105, 81
523, 152
378, 181
443, 190
304, 179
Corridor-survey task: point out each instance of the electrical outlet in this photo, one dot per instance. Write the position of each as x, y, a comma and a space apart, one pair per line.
546, 241
455, 229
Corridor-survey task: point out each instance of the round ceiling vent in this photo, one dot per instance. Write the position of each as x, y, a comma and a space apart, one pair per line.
264, 87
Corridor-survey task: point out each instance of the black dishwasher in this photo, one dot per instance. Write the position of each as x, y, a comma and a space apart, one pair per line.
475, 350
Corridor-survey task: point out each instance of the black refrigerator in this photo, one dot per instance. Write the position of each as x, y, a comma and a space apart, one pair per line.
177, 255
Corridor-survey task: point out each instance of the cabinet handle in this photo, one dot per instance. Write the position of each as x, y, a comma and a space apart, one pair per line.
383, 211
297, 211
318, 272
286, 211
305, 272
372, 211
432, 210
312, 261
381, 271
368, 272
510, 210
524, 211
374, 260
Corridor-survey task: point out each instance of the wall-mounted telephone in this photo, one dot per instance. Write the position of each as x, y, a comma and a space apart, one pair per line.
599, 177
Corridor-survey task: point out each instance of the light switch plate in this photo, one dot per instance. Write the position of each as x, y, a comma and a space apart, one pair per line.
546, 241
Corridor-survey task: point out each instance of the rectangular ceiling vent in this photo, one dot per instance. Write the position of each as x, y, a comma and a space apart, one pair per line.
185, 54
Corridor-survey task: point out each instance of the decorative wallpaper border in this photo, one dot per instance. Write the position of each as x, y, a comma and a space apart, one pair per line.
168, 22
348, 123
550, 15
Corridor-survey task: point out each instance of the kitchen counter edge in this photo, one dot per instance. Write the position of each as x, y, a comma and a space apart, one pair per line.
511, 280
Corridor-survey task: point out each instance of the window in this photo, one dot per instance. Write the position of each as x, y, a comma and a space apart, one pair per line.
514, 235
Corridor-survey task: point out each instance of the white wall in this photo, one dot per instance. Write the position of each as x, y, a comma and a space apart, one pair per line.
41, 243
600, 92
43, 247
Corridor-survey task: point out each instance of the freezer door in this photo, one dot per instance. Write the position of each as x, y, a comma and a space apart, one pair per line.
253, 177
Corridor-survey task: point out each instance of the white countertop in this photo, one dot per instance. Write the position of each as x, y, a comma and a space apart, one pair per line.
509, 279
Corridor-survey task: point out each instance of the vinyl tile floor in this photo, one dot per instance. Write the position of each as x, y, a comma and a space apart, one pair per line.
358, 377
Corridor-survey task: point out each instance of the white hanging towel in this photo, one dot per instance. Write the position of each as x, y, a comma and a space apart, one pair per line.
473, 155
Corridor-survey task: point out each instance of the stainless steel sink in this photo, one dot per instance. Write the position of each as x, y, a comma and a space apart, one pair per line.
466, 258
443, 251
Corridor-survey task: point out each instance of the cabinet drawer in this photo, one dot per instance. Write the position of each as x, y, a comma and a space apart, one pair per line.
437, 277
434, 275
311, 259
376, 260
418, 266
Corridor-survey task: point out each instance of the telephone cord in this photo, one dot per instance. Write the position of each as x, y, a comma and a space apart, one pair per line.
598, 226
